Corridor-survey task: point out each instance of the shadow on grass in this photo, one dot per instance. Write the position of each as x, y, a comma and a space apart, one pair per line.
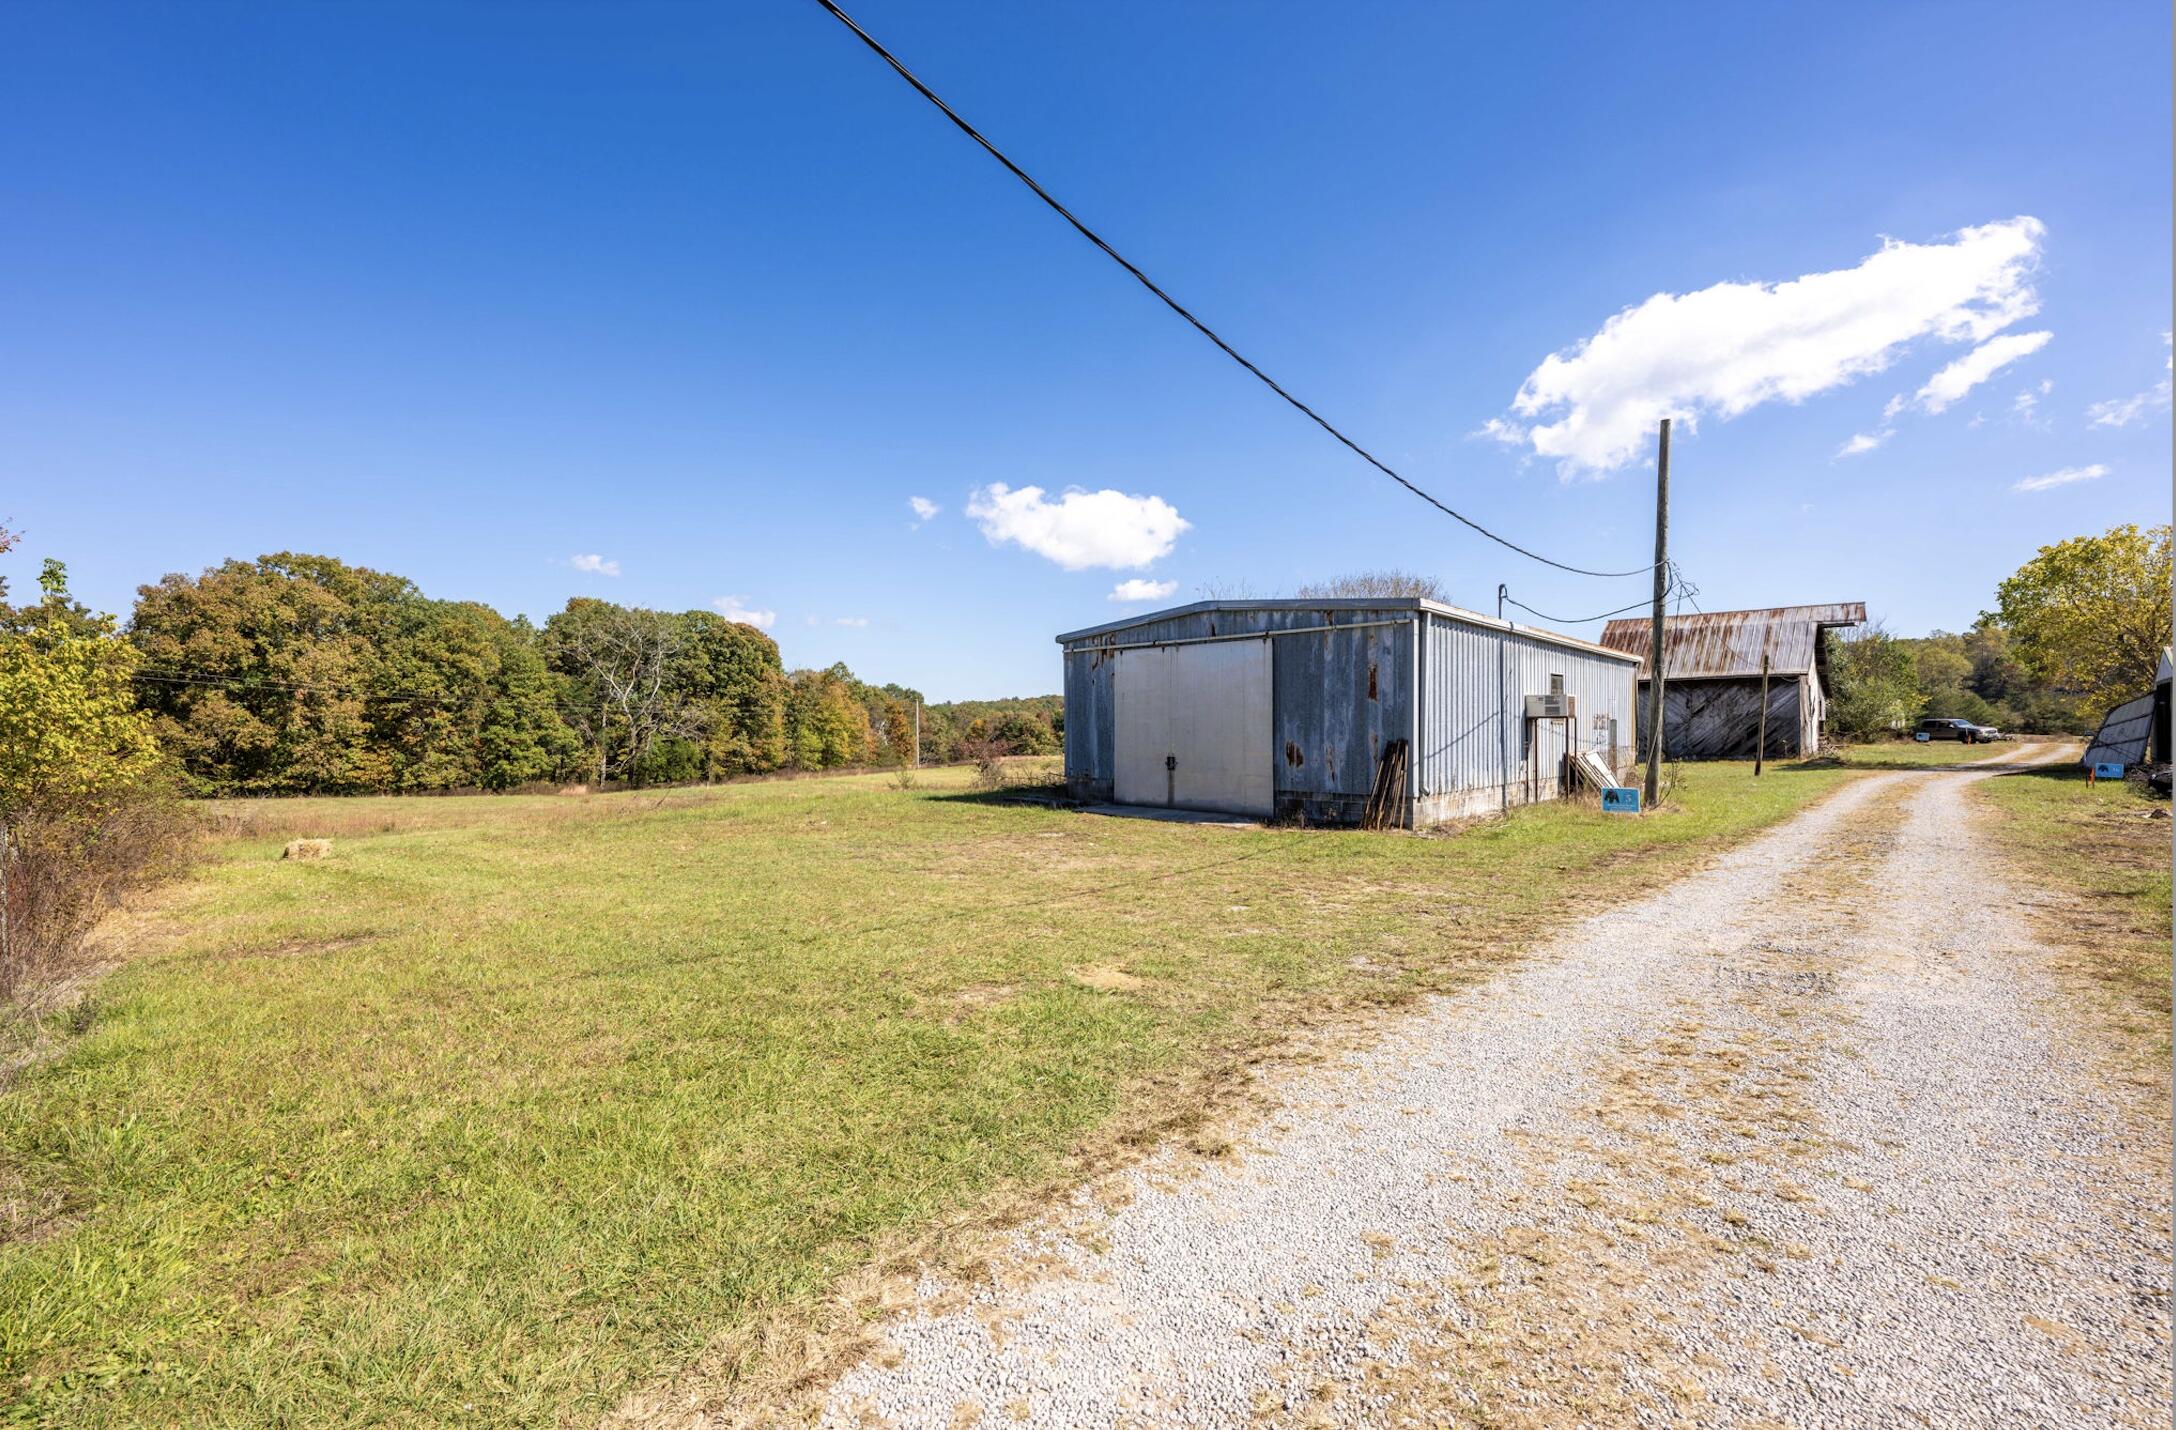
1052, 795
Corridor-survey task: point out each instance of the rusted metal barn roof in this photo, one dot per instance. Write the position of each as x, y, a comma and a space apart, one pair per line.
1711, 645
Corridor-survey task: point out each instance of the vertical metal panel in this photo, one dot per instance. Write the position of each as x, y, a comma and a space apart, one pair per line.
1339, 696
1088, 722
1141, 726
1475, 735
1193, 727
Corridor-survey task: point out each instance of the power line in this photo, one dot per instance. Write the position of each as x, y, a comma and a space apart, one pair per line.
268, 685
1577, 620
252, 682
1175, 306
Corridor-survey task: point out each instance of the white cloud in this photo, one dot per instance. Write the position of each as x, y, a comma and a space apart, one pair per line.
2123, 411
1975, 367
1863, 442
1136, 589
859, 621
1080, 529
736, 608
1729, 348
594, 565
2062, 478
924, 509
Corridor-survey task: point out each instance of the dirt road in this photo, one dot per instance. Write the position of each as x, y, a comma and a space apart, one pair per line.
1806, 1139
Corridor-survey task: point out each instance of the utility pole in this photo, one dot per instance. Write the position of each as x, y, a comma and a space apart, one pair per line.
1662, 586
917, 734
1760, 751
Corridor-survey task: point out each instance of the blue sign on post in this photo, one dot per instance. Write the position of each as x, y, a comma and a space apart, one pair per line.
1620, 801
2105, 770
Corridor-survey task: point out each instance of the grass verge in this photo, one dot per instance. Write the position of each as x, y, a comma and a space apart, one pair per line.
1934, 754
515, 1104
2104, 861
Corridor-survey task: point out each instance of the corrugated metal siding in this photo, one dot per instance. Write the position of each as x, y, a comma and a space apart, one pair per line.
1342, 695
2124, 734
1475, 734
1719, 644
1329, 727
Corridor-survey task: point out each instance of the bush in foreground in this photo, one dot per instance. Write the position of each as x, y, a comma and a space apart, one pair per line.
86, 812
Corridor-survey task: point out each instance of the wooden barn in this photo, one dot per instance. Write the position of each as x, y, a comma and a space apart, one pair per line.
1711, 678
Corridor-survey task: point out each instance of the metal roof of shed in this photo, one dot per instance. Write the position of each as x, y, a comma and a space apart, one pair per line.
1711, 645
1332, 608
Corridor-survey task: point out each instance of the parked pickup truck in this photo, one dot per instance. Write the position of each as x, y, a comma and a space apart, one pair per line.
1938, 728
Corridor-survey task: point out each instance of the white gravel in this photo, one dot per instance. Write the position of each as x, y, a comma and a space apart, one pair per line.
1979, 1235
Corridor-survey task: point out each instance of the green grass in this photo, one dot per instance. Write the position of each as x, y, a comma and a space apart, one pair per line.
2097, 846
513, 1104
1911, 755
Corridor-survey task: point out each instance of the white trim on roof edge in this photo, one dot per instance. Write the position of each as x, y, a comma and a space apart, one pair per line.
1349, 603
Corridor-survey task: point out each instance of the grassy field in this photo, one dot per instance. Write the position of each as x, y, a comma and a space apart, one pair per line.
512, 1104
1934, 754
2107, 861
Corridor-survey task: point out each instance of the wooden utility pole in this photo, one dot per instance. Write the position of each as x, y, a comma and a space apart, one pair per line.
1662, 589
917, 734
1760, 751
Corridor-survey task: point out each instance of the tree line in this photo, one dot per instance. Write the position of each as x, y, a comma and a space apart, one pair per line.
2075, 631
296, 674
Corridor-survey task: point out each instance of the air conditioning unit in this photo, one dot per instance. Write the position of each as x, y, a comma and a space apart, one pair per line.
1558, 706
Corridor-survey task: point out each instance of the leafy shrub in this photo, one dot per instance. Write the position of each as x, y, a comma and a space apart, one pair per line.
86, 809
988, 758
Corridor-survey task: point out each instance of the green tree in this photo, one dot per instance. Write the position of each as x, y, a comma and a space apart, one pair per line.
733, 671
826, 723
1874, 683
628, 687
1023, 732
2090, 616
259, 672
297, 674
71, 735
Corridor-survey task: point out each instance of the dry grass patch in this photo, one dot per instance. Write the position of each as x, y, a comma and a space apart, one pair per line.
2094, 863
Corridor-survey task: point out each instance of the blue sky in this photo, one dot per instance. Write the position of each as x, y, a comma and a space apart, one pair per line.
467, 291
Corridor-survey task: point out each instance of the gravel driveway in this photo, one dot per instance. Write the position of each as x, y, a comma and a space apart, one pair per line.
1805, 1139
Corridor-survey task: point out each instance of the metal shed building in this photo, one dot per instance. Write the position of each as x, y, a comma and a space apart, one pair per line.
1326, 711
1711, 678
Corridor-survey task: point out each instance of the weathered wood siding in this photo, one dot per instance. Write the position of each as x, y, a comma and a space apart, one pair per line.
1720, 719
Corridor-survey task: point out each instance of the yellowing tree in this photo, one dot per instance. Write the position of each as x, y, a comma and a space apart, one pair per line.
2091, 615
70, 732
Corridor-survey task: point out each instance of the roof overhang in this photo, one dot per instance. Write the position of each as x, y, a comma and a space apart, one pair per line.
1413, 605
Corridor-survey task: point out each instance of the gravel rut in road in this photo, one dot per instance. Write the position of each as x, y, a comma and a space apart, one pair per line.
1802, 1139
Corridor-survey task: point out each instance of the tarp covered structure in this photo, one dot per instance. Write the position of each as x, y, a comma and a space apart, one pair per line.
2136, 732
